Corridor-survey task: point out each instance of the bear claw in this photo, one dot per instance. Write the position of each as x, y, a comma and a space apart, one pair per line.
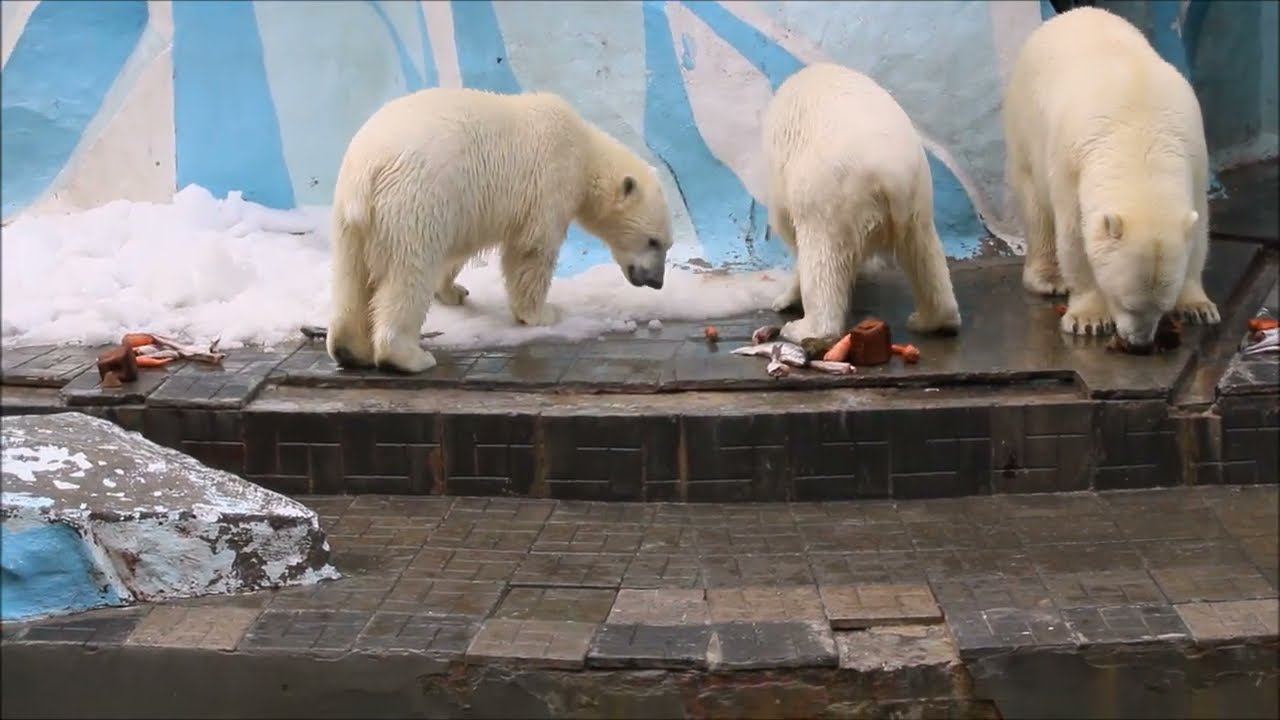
1205, 313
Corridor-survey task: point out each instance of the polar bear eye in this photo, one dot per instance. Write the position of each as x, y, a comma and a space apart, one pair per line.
654, 244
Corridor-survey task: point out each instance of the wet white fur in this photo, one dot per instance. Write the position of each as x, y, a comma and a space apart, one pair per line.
435, 177
1107, 159
849, 179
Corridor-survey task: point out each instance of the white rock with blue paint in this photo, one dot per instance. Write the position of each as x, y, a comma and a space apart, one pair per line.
93, 515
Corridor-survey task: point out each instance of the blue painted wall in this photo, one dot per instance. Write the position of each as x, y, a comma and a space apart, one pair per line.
265, 95
54, 83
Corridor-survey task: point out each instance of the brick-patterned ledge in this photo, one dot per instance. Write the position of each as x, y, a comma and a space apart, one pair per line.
713, 447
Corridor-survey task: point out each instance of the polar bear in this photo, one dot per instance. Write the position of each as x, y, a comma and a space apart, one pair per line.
1107, 158
849, 180
435, 177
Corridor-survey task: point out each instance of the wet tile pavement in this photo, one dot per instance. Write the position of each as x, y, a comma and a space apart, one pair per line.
571, 585
1008, 337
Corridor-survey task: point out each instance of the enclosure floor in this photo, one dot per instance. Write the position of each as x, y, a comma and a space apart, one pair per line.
1008, 336
971, 590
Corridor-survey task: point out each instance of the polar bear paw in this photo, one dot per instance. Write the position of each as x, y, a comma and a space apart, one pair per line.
453, 294
797, 331
543, 316
406, 359
1087, 315
1044, 282
1200, 310
937, 321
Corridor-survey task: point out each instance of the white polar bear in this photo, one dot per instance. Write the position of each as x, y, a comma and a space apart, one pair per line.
437, 176
849, 180
1107, 158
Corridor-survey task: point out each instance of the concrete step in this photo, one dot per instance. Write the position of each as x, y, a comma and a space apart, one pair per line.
1153, 603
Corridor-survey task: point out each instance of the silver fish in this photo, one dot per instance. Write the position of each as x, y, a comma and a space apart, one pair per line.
830, 366
1269, 342
777, 368
788, 353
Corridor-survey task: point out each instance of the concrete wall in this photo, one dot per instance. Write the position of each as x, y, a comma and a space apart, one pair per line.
134, 99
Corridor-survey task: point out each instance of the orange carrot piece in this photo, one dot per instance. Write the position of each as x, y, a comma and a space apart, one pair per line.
840, 351
148, 361
909, 353
138, 339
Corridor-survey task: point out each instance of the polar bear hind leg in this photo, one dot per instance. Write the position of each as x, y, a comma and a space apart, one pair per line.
827, 267
790, 298
349, 340
401, 297
923, 260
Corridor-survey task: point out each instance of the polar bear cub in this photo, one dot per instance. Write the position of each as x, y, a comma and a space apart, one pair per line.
1107, 158
435, 177
848, 180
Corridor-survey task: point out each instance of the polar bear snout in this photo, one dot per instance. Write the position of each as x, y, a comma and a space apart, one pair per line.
646, 276
1138, 330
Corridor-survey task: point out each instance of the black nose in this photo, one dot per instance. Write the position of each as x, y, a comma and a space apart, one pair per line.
634, 277
655, 283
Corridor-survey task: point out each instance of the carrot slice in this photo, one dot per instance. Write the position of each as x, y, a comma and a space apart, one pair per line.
138, 339
148, 361
840, 351
909, 353
1260, 324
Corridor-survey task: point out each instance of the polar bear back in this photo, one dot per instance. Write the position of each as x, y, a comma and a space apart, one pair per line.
490, 161
1088, 75
830, 130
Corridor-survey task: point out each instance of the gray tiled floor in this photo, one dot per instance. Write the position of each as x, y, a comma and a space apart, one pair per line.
429, 575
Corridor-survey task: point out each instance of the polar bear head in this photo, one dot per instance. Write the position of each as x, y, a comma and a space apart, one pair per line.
629, 212
1139, 260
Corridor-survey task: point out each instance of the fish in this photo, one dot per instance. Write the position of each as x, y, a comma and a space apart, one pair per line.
777, 367
1267, 341
788, 353
832, 366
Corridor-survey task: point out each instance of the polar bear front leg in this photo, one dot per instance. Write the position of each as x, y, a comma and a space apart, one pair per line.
527, 272
1087, 311
1040, 273
450, 292
1193, 304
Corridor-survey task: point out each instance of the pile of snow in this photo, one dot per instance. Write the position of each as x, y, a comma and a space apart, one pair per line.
203, 268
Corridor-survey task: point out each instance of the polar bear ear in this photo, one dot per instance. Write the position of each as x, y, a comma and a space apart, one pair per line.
1190, 220
1114, 225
